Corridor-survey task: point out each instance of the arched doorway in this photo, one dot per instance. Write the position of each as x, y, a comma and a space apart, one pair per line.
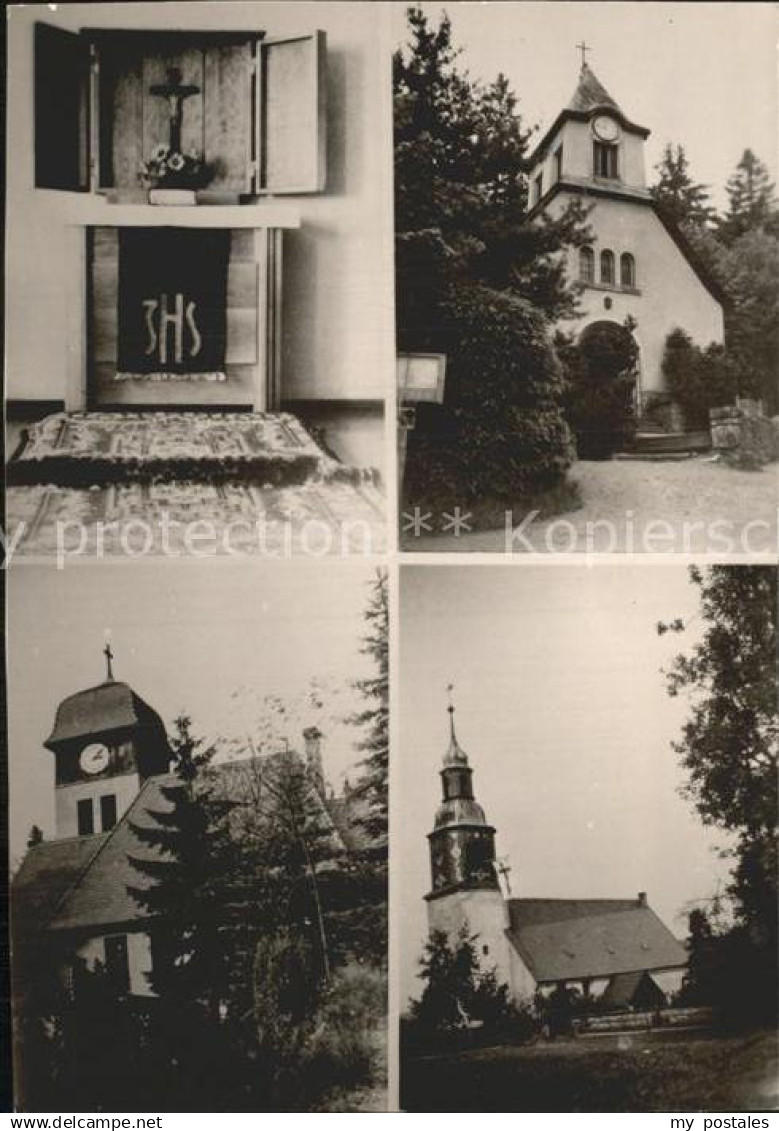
612, 348
608, 371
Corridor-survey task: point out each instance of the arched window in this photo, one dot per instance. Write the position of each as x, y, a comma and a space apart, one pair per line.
627, 270
586, 265
607, 267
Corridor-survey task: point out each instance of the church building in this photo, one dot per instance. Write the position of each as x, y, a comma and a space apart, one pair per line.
639, 266
71, 904
617, 948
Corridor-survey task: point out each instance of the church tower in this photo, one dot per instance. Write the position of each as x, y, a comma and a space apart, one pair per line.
106, 742
465, 888
638, 275
591, 145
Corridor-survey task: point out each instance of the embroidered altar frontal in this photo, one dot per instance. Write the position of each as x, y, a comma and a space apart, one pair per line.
87, 449
172, 304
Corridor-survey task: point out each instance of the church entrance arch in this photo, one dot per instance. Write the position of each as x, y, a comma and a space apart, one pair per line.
609, 358
611, 347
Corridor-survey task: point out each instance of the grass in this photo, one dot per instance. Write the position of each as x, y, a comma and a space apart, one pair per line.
489, 512
677, 1072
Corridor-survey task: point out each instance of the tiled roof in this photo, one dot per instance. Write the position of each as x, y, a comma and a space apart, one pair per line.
590, 94
47, 872
622, 988
93, 873
107, 707
582, 938
99, 898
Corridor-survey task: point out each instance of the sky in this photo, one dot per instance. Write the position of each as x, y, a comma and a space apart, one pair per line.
700, 74
186, 636
562, 709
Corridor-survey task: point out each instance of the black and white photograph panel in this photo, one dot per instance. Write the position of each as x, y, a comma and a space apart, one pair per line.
199, 265
586, 901
198, 837
586, 277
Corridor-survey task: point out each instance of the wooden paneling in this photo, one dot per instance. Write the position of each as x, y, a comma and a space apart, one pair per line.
227, 117
245, 321
292, 115
156, 111
61, 101
216, 122
122, 111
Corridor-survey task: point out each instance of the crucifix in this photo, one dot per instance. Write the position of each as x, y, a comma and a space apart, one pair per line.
108, 658
505, 868
584, 49
176, 93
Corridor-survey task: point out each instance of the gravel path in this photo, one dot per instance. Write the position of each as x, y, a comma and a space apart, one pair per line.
694, 506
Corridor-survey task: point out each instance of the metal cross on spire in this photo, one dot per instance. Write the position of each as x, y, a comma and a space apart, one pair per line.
450, 708
109, 671
584, 49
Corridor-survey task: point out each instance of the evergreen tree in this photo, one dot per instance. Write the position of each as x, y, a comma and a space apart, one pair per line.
699, 983
291, 861
681, 200
373, 783
461, 190
752, 203
478, 281
750, 272
189, 858
457, 991
729, 749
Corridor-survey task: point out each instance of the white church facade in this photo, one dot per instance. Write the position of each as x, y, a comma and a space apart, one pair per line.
597, 946
638, 266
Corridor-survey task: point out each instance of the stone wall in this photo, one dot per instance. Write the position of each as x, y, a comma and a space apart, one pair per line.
743, 436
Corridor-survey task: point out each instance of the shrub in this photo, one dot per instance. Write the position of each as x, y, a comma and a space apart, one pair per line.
699, 379
285, 988
344, 1046
501, 432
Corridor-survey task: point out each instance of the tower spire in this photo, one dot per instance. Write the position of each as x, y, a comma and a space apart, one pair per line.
462, 845
455, 755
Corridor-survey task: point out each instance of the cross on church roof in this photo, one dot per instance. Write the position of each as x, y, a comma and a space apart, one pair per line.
584, 49
108, 658
505, 868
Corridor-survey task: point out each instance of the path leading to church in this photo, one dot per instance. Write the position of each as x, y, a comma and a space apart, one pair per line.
693, 505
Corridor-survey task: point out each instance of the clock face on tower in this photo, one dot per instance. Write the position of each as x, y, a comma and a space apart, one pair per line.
94, 758
605, 129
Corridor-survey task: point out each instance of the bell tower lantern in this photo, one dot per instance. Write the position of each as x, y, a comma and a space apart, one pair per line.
462, 843
106, 741
591, 145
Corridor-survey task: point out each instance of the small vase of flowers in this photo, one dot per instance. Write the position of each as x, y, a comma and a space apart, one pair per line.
172, 177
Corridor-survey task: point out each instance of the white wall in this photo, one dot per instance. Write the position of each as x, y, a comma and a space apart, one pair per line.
485, 912
138, 958
338, 338
671, 294
125, 789
577, 138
